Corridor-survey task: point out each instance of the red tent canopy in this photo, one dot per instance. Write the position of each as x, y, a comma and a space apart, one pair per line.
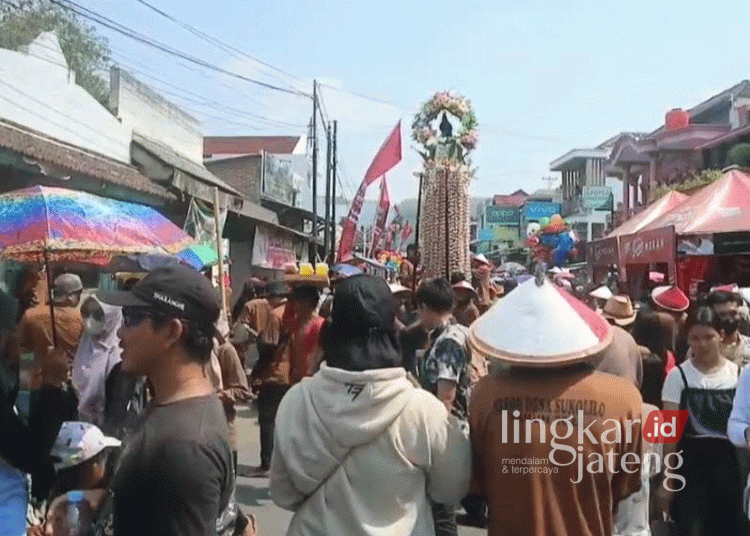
656, 209
720, 207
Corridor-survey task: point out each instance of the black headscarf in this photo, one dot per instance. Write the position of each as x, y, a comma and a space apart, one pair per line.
360, 334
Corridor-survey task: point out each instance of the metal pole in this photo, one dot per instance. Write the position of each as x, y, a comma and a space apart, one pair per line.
219, 252
314, 242
50, 297
419, 210
333, 193
327, 227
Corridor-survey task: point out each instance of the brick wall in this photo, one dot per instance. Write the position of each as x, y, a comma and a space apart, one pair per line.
242, 173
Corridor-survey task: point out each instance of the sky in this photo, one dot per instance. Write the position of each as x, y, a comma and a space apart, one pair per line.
543, 77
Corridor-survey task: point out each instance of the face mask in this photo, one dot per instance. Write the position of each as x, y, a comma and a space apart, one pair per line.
730, 325
92, 326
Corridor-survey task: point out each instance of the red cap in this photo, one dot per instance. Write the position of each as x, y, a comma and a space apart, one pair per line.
670, 298
733, 287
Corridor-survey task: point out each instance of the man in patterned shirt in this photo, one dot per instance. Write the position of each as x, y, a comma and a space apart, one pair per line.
446, 368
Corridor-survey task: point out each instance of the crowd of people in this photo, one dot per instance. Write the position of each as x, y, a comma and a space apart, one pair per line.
384, 409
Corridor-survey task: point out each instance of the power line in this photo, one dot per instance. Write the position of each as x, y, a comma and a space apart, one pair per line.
360, 95
216, 42
221, 108
119, 28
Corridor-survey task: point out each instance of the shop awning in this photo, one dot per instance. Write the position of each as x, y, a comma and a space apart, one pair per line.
655, 210
720, 207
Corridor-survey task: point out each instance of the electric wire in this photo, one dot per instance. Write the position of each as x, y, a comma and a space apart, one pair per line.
119, 28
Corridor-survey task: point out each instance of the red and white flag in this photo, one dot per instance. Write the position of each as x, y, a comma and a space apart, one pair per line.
380, 217
388, 156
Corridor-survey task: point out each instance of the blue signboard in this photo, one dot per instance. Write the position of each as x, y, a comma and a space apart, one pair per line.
486, 234
504, 215
535, 210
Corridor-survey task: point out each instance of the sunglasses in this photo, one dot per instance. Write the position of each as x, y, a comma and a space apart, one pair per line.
133, 316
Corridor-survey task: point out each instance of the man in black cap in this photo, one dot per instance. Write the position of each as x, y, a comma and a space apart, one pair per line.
175, 474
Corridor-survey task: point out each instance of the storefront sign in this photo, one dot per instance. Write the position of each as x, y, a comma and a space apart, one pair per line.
272, 248
603, 252
278, 180
535, 210
646, 247
597, 197
505, 215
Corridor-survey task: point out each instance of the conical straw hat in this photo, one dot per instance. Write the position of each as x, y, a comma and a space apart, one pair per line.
539, 325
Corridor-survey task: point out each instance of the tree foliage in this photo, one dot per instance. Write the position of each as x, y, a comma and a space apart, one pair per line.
739, 155
86, 53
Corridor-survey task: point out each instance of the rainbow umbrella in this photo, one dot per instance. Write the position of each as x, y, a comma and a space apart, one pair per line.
40, 224
43, 224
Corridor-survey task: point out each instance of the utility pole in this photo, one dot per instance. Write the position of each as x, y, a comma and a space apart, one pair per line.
314, 243
333, 193
327, 228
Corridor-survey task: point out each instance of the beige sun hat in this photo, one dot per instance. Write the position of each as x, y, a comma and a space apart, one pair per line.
620, 310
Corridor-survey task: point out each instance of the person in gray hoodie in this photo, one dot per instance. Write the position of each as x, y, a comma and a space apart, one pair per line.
359, 446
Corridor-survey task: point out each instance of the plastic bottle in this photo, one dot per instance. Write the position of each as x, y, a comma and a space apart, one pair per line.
77, 517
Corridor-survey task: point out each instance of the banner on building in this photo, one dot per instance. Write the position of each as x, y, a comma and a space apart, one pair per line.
388, 156
381, 216
200, 223
272, 248
279, 183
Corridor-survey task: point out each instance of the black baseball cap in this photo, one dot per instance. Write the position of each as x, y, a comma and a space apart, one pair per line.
178, 291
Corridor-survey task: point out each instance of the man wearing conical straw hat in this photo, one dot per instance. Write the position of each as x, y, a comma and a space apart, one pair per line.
556, 444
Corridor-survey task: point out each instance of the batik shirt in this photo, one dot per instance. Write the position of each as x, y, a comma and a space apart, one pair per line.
449, 358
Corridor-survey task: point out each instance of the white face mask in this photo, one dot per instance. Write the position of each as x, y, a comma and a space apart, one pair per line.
93, 326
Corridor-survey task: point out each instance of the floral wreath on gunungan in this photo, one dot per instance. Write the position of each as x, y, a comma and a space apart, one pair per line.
458, 145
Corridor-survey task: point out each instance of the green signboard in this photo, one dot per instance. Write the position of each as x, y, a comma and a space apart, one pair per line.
504, 215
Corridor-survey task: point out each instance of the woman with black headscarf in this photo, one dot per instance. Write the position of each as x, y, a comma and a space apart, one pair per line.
360, 431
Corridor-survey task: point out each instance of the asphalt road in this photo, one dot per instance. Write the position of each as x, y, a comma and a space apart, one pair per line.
252, 493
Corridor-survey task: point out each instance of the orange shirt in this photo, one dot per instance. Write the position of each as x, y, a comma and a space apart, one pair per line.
36, 329
528, 494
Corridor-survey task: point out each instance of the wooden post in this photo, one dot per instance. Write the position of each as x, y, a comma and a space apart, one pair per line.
217, 220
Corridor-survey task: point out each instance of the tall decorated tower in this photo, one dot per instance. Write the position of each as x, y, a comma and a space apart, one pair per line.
446, 173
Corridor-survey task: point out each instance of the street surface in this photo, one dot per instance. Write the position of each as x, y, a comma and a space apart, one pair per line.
252, 493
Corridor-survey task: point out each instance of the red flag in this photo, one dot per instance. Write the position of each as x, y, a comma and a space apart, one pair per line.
381, 216
406, 233
388, 156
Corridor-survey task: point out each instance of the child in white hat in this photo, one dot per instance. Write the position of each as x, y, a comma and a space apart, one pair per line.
82, 457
